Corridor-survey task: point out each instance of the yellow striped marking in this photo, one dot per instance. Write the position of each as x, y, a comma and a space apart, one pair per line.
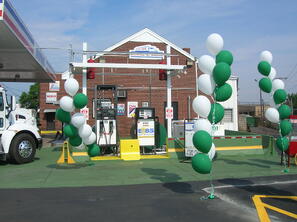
50, 132
105, 158
240, 147
80, 154
154, 157
172, 150
260, 207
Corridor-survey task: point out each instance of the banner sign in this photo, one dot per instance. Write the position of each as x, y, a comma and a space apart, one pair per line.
121, 109
50, 97
55, 86
131, 109
146, 52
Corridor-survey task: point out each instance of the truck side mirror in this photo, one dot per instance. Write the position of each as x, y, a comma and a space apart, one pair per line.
13, 103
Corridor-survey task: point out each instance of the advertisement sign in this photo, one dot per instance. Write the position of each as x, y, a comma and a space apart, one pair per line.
54, 86
121, 110
146, 52
146, 132
131, 109
50, 97
85, 111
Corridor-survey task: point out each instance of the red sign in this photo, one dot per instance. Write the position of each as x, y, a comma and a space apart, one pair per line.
169, 113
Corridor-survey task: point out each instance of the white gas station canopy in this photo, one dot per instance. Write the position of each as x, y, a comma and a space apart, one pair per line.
21, 59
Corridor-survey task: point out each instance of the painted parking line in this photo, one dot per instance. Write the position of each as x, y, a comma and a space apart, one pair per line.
261, 207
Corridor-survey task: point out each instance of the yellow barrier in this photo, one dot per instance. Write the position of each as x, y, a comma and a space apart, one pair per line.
65, 155
130, 150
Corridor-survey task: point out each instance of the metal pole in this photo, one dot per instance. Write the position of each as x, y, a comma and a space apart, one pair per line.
169, 105
84, 76
150, 90
196, 80
189, 107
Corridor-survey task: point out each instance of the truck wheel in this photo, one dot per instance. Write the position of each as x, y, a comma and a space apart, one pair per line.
22, 148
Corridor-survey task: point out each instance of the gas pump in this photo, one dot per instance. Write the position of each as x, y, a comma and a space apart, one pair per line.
145, 127
105, 115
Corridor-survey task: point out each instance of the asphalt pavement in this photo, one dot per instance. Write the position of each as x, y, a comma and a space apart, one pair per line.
179, 201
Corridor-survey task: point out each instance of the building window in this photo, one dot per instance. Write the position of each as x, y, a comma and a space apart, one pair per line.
228, 117
1, 122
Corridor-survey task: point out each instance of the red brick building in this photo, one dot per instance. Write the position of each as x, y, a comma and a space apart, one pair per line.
136, 85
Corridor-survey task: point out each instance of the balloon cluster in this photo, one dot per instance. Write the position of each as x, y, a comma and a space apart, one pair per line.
212, 83
75, 126
279, 112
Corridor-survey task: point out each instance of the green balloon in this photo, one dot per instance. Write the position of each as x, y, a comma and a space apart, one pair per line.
223, 93
75, 141
201, 163
202, 141
216, 113
94, 150
285, 127
224, 56
282, 143
279, 96
221, 73
265, 85
70, 130
80, 100
284, 111
63, 116
264, 68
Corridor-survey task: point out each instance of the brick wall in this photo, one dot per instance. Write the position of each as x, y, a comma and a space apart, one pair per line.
137, 86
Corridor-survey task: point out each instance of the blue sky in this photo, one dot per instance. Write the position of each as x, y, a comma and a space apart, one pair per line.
247, 26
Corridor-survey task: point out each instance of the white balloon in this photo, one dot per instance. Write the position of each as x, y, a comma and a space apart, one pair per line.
71, 86
85, 131
78, 119
201, 105
203, 124
214, 43
272, 73
277, 84
212, 152
266, 56
90, 140
66, 103
206, 64
272, 115
206, 84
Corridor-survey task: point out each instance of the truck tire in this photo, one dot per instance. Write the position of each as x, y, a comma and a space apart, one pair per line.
22, 148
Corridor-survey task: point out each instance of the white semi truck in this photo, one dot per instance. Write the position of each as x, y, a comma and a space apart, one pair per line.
18, 130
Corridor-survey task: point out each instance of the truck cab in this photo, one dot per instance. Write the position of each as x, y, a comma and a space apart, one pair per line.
18, 131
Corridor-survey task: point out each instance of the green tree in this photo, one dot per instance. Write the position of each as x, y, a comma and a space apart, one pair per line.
30, 100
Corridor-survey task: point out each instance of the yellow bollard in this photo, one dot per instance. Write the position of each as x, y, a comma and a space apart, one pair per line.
65, 155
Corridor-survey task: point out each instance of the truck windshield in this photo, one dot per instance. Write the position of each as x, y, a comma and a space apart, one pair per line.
1, 102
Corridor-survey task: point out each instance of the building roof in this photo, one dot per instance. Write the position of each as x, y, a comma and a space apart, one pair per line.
147, 35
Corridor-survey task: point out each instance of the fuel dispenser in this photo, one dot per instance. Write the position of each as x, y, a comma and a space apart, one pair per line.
105, 115
145, 126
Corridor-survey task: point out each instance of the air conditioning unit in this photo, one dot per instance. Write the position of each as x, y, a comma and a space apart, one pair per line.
122, 93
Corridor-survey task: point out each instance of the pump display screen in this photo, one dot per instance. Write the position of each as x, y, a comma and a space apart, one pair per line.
145, 113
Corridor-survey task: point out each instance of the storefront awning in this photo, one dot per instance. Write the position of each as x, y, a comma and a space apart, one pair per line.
21, 59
